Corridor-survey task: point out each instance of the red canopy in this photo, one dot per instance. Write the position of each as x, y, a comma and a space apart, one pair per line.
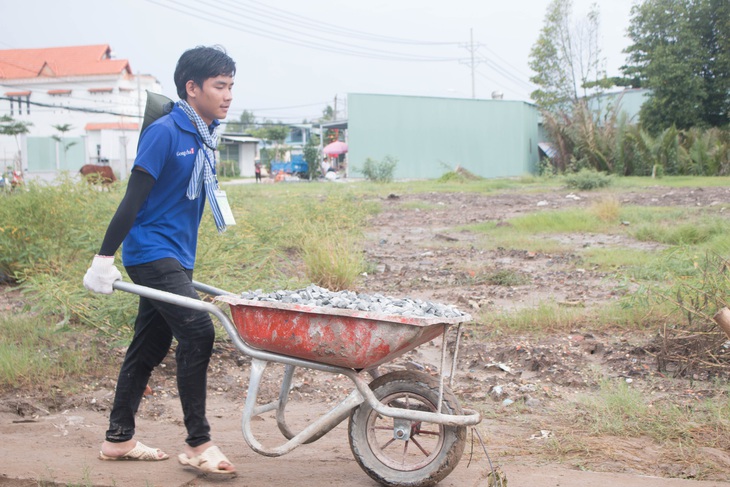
335, 148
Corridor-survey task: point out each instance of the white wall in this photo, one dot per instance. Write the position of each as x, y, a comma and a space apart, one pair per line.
124, 104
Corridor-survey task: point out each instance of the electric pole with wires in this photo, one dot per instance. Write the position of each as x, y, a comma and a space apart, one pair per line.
471, 62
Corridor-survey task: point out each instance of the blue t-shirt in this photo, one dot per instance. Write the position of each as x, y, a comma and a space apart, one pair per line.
167, 224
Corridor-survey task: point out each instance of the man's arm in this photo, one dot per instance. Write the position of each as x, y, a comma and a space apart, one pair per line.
101, 275
139, 187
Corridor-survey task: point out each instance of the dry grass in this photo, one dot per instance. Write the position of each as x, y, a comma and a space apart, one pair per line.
607, 209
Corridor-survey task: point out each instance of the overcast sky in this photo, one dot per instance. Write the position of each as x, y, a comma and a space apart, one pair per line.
295, 57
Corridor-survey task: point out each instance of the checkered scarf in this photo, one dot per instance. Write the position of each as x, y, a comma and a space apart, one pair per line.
203, 169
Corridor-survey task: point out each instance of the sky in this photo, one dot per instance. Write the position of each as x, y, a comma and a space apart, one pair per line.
294, 58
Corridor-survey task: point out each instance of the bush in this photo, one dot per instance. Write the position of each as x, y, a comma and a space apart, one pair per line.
459, 175
380, 172
587, 179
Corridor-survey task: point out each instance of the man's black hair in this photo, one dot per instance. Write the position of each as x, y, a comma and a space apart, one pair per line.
200, 63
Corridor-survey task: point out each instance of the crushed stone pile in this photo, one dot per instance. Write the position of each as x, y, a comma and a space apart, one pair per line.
314, 295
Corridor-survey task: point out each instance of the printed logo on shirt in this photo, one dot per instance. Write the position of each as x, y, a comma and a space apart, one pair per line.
184, 153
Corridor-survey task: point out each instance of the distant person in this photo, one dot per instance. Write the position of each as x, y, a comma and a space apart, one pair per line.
157, 221
257, 170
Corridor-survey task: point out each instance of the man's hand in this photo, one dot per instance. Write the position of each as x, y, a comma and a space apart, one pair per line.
102, 274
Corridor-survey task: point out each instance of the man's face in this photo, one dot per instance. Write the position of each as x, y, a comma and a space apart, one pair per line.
213, 99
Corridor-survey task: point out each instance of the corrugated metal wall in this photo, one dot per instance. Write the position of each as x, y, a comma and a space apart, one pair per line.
431, 136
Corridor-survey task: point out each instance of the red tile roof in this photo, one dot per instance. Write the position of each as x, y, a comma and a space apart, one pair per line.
60, 61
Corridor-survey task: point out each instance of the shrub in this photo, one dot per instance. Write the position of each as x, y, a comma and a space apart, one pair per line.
587, 179
380, 172
459, 175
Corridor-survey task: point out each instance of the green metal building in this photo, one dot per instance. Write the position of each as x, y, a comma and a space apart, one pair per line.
431, 136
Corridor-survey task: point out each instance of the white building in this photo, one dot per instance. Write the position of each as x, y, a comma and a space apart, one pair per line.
85, 107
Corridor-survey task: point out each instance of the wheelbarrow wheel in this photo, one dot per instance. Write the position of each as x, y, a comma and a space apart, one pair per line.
400, 453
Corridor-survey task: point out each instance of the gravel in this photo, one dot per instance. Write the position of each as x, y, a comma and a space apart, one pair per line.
314, 295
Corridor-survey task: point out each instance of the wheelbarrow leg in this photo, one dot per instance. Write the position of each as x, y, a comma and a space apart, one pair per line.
281, 409
283, 399
315, 429
374, 372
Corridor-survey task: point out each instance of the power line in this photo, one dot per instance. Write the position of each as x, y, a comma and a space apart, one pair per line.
495, 55
323, 26
194, 11
71, 108
506, 74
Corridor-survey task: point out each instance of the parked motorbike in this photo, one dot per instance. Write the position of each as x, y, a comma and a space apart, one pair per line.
10, 180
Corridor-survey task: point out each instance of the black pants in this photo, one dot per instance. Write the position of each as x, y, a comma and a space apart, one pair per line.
156, 324
258, 177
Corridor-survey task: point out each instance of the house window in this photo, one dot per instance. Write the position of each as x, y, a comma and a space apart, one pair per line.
18, 97
100, 91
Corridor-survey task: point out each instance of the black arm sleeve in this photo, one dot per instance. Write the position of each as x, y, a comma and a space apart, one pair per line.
139, 187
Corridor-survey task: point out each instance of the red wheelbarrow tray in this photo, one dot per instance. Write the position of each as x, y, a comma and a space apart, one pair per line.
333, 336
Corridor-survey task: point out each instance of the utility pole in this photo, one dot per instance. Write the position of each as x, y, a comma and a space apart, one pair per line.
472, 63
471, 50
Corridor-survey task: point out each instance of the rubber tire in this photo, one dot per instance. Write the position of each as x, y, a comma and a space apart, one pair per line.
425, 388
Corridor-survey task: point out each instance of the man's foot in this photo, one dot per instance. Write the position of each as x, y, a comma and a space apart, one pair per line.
131, 450
207, 458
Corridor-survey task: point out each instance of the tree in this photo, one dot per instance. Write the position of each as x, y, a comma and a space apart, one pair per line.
9, 126
245, 123
60, 139
681, 52
274, 133
328, 114
565, 57
312, 156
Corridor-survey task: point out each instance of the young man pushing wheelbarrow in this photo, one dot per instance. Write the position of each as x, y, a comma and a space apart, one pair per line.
157, 224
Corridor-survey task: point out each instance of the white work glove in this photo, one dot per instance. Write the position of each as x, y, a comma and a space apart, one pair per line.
102, 274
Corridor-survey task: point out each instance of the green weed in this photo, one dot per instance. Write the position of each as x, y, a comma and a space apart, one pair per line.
32, 354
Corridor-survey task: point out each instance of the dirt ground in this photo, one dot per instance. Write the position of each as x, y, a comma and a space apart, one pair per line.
521, 385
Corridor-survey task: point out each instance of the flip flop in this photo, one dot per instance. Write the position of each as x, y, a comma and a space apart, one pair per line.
207, 462
140, 452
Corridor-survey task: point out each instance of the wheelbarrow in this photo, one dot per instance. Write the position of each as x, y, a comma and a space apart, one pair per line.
406, 428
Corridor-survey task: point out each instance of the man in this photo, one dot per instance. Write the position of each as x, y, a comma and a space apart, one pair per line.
157, 221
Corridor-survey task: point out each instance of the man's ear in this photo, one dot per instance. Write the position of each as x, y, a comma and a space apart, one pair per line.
191, 88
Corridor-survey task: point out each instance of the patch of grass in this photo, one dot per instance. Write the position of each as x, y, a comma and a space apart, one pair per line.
420, 205
618, 409
587, 179
626, 314
673, 181
33, 355
550, 316
332, 260
543, 317
562, 221
619, 258
459, 175
496, 237
681, 234
606, 209
501, 277
506, 278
